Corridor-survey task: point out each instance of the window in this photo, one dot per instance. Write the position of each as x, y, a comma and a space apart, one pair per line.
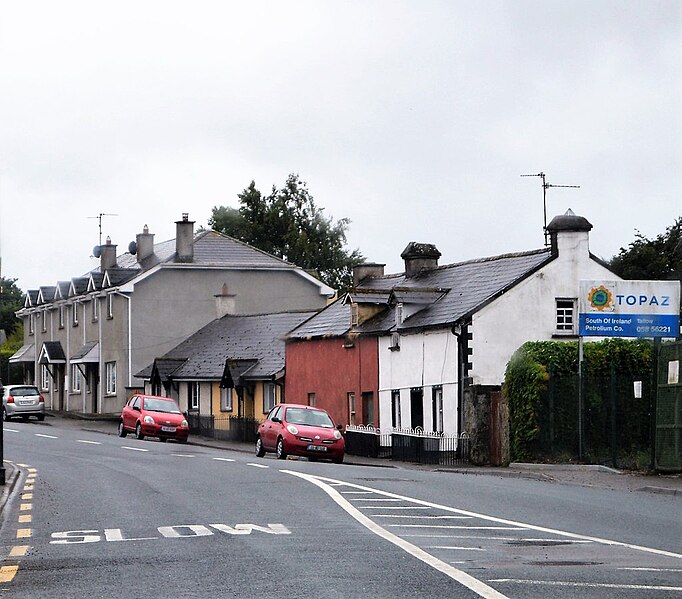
368, 408
74, 314
194, 394
61, 317
31, 323
351, 408
398, 314
44, 378
565, 316
395, 409
110, 374
354, 315
268, 397
43, 317
110, 305
95, 309
226, 399
75, 378
312, 400
437, 409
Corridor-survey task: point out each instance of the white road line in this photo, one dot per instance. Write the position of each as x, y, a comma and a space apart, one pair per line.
652, 569
133, 448
473, 537
454, 547
89, 442
390, 507
183, 455
223, 459
45, 436
257, 465
562, 533
414, 517
590, 585
384, 499
10, 430
442, 526
354, 492
463, 578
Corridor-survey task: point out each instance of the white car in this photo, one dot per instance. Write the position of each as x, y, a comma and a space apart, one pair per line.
23, 401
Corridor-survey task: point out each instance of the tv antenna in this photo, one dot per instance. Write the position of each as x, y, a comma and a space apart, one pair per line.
99, 218
545, 185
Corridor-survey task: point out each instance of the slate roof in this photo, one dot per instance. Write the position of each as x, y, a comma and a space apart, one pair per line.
236, 338
80, 285
447, 293
52, 352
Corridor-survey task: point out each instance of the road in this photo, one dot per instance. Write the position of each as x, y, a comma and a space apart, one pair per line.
95, 515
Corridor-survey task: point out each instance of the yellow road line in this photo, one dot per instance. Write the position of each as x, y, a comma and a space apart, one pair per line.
19, 551
25, 506
7, 573
26, 496
26, 518
24, 533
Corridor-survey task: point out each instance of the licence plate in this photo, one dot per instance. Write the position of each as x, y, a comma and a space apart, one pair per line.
316, 448
25, 402
167, 429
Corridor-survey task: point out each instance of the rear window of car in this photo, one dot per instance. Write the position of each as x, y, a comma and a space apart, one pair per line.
23, 391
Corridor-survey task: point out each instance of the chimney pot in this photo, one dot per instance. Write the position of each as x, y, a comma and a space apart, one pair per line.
420, 257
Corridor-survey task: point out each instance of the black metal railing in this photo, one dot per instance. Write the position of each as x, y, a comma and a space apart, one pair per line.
224, 428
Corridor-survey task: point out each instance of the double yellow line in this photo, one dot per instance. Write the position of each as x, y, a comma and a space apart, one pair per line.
8, 572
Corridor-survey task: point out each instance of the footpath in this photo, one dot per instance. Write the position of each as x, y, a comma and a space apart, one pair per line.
569, 474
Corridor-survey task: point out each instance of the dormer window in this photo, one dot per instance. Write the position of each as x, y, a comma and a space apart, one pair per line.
44, 321
110, 305
354, 315
74, 314
31, 323
398, 314
95, 309
61, 317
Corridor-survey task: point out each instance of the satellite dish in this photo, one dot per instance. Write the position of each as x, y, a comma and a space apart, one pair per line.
132, 248
96, 251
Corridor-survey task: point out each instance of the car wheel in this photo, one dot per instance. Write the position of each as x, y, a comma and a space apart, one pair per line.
24, 418
260, 450
183, 440
338, 460
41, 417
122, 432
281, 454
5, 416
138, 432
163, 439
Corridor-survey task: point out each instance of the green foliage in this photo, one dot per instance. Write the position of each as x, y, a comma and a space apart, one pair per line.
288, 224
541, 386
652, 259
11, 300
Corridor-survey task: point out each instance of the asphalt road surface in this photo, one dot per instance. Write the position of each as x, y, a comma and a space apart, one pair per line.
94, 515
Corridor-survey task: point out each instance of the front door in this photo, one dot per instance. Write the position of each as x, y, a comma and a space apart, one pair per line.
417, 408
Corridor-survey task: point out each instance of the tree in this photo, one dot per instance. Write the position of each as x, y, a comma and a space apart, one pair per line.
11, 300
652, 259
288, 224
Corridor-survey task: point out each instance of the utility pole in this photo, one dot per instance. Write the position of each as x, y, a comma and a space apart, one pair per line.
545, 185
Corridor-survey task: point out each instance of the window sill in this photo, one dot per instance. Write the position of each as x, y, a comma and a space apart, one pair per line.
565, 335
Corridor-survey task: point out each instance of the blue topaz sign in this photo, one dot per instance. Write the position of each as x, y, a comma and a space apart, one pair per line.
629, 309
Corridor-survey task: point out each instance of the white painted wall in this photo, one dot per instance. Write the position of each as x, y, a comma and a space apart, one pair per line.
424, 360
527, 311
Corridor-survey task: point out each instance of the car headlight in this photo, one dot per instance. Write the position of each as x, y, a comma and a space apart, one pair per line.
292, 429
184, 424
337, 434
148, 420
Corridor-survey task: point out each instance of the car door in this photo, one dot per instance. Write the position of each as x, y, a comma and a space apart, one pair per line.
270, 429
129, 415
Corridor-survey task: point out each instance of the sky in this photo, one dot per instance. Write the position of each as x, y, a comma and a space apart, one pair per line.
414, 119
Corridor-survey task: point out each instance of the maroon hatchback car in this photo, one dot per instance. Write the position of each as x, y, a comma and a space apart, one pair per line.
152, 416
293, 429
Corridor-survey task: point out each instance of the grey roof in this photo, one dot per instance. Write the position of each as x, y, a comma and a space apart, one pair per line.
235, 338
81, 356
47, 293
332, 321
52, 352
80, 285
26, 353
63, 288
447, 293
118, 276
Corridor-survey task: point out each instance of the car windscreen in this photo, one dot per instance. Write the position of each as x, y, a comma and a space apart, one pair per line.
161, 405
23, 391
309, 417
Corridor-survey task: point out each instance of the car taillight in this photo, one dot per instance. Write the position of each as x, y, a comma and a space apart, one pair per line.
10, 399
41, 398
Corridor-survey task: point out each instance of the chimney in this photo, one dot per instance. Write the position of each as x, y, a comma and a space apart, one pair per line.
107, 255
145, 244
419, 257
368, 269
184, 239
224, 302
569, 232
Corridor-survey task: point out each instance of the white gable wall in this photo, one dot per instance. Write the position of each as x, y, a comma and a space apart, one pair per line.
425, 360
527, 312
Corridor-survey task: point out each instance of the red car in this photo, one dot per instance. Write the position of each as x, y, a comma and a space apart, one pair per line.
293, 429
152, 416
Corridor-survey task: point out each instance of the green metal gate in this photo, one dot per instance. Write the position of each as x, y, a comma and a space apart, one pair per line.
669, 409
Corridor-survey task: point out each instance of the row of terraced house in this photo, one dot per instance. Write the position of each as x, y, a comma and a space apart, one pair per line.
227, 329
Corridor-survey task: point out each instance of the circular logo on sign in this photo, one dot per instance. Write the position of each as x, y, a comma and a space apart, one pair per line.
600, 298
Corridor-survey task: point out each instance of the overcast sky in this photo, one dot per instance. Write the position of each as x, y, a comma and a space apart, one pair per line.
414, 119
